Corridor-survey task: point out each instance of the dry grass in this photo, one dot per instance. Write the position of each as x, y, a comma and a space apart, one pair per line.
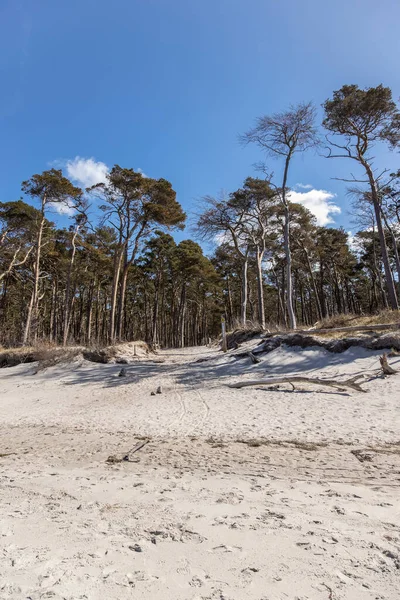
47, 355
351, 320
26, 354
120, 353
56, 356
242, 334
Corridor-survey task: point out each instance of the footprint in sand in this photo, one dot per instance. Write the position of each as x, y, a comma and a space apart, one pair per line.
196, 582
225, 548
184, 568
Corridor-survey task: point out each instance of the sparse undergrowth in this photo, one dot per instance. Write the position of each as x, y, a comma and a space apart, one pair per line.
350, 320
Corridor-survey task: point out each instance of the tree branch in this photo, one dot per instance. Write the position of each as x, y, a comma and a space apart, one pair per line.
348, 383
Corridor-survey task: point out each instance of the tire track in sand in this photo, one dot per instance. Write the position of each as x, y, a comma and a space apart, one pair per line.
206, 408
183, 412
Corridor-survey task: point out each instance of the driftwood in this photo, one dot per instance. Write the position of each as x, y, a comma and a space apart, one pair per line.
348, 383
386, 368
115, 459
249, 354
337, 329
393, 353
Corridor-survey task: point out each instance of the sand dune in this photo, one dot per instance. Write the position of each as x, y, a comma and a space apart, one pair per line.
239, 494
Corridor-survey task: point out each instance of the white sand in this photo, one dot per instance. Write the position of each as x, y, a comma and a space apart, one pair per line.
214, 518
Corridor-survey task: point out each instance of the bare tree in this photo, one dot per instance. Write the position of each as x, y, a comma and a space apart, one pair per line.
281, 136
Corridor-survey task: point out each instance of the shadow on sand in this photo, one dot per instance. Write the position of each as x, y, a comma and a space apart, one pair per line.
214, 370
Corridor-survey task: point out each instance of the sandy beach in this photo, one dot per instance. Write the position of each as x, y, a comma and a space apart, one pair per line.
253, 493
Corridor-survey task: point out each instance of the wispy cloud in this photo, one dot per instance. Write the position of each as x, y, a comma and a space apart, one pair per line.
303, 186
319, 203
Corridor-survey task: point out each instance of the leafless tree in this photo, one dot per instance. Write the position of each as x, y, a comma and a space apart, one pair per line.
281, 136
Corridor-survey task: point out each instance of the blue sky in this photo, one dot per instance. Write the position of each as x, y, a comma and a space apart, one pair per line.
167, 85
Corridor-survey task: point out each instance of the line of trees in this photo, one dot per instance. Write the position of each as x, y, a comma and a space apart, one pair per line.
120, 275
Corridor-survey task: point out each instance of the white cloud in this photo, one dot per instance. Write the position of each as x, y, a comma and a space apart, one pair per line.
303, 186
86, 171
222, 237
318, 202
351, 239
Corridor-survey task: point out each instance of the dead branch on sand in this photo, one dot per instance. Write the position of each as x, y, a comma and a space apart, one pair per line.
340, 385
115, 459
386, 368
329, 590
249, 354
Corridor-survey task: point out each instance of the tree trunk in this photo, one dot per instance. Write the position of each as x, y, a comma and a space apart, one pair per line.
288, 254
34, 302
182, 309
68, 289
230, 303
121, 309
384, 251
340, 308
89, 316
243, 313
394, 243
396, 256
155, 310
114, 291
52, 311
260, 289
314, 284
127, 264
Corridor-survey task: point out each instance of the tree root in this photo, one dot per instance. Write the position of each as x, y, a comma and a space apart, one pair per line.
386, 368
